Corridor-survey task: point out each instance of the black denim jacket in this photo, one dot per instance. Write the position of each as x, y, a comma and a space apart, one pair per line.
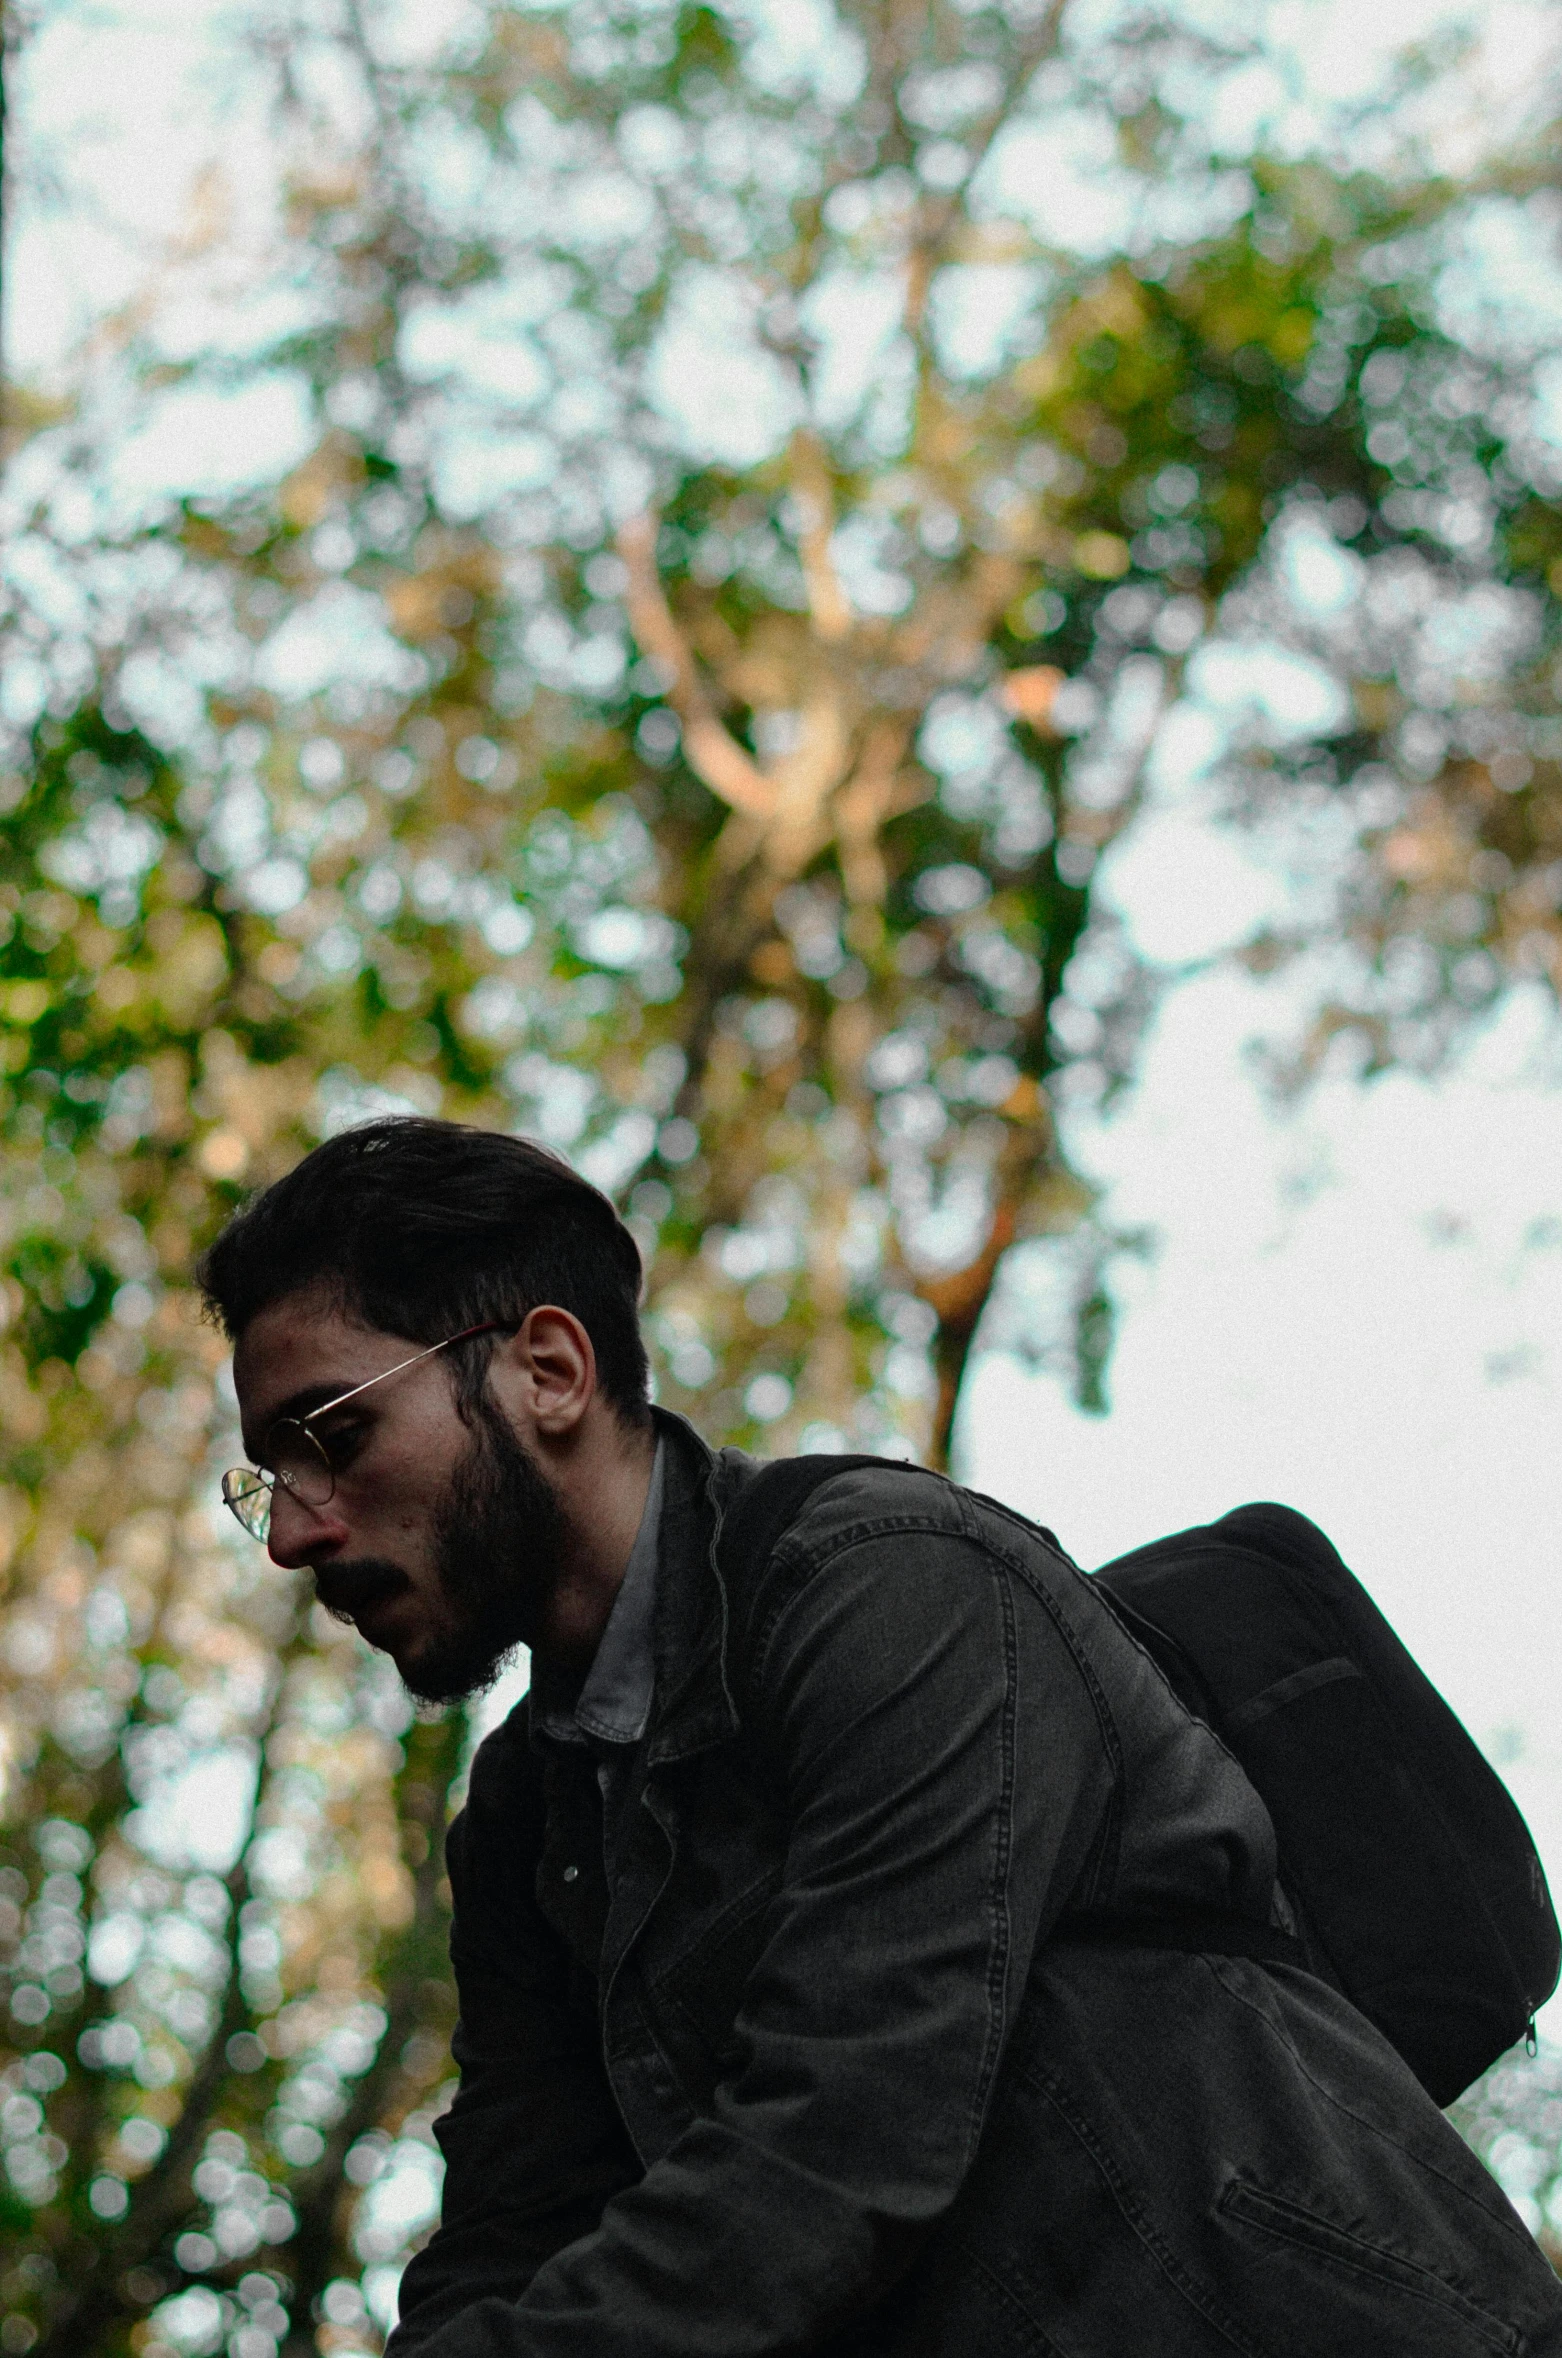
772, 2039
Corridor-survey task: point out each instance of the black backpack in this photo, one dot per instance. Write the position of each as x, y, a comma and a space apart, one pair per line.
1418, 1892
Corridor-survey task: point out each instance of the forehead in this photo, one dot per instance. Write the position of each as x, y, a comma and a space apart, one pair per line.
305, 1344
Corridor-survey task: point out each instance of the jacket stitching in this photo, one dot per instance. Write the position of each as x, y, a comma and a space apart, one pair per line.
1001, 1944
749, 1903
1289, 2222
1037, 2336
1512, 2224
788, 1558
1003, 1850
1164, 2257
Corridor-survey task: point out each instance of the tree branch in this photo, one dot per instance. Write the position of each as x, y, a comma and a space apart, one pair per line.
714, 754
828, 604
872, 795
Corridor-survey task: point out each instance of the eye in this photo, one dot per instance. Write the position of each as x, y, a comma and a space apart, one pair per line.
342, 1439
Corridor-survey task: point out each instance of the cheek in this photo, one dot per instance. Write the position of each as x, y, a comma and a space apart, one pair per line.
388, 1511
395, 1498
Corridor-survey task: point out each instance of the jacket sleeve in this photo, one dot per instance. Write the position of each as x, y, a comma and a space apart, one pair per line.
936, 1829
533, 2144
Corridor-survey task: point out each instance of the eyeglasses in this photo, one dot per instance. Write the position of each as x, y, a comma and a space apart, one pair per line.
299, 1459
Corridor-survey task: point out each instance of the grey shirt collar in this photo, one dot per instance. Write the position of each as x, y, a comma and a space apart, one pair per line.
614, 1705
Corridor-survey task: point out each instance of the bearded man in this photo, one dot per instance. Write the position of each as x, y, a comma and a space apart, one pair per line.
781, 2025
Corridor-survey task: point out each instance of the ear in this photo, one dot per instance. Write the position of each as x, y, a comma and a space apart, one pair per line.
551, 1354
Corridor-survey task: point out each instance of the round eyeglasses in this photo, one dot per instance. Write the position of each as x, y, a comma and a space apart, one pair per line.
299, 1459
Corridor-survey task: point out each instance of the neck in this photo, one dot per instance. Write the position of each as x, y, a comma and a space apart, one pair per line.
602, 1490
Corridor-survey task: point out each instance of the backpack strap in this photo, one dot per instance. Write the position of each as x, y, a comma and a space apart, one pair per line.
1196, 1931
770, 1503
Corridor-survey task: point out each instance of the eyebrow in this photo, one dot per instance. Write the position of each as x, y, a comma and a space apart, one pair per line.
297, 1406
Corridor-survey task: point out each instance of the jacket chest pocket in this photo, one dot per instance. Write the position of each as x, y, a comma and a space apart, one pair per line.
694, 1996
708, 1926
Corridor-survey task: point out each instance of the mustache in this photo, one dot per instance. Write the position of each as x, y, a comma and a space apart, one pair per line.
344, 1589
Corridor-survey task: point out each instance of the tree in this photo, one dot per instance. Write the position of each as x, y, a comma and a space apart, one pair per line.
727, 812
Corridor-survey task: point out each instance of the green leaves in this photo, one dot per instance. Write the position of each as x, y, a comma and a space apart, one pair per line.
733, 827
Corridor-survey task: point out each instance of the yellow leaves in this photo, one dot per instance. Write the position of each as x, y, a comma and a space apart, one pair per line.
1057, 1201
97, 946
205, 539
1428, 850
1040, 377
1231, 319
1101, 556
223, 1154
1030, 693
852, 1032
24, 1002
1409, 857
253, 1103
532, 52
1378, 703
416, 604
170, 1078
329, 188
117, 990
31, 412
24, 1414
277, 963
1290, 339
51, 913
1000, 239
1114, 306
142, 1542
387, 1890
192, 964
1025, 1102
314, 488
773, 965
13, 1521
443, 594
725, 1077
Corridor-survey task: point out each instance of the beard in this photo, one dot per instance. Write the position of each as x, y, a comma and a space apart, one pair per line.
499, 1510
498, 1535
499, 1540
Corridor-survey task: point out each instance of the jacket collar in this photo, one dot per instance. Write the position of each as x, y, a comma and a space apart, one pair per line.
693, 1707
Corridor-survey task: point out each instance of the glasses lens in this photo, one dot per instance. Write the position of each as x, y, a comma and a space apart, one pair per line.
299, 1463
248, 1495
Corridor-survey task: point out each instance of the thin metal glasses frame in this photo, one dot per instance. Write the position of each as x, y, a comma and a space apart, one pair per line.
247, 1490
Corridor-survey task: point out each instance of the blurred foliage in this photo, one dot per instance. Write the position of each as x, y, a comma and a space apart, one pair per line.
1513, 2118
706, 770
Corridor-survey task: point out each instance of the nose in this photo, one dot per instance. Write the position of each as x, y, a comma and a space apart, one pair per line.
303, 1534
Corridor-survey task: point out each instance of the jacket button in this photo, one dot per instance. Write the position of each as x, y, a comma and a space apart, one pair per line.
570, 1874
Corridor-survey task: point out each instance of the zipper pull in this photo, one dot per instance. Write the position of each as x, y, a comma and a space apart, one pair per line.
1531, 2042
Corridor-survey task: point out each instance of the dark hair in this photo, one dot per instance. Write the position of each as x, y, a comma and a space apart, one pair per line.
421, 1228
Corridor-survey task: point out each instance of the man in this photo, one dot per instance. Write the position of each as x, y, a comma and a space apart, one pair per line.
776, 2032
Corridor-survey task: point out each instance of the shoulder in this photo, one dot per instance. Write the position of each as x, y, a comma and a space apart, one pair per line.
813, 1505
786, 1524
503, 1816
812, 1502
870, 1497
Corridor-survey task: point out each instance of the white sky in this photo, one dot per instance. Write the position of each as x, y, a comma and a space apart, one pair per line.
1353, 1309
